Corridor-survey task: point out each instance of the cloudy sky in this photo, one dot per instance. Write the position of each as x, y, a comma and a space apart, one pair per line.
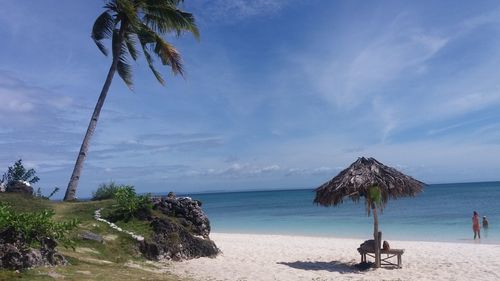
278, 94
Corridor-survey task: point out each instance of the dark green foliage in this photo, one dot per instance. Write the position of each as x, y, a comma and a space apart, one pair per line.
19, 173
129, 205
36, 227
106, 191
142, 23
374, 199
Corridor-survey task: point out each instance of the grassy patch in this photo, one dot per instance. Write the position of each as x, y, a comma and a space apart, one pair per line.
139, 227
24, 203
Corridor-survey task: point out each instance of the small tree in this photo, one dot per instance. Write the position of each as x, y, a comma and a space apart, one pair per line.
106, 191
19, 173
129, 204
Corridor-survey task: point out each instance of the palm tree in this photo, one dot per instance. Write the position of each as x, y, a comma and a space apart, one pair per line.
133, 26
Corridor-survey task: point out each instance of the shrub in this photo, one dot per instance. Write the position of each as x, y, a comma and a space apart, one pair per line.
106, 191
19, 173
129, 204
35, 228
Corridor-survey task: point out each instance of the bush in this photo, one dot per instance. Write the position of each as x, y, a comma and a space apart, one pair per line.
35, 228
19, 173
106, 191
129, 204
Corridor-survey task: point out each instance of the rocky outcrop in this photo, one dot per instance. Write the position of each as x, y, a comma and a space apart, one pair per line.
173, 241
16, 254
183, 233
19, 187
187, 210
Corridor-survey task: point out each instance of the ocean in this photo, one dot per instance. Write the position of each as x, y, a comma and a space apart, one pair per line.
442, 212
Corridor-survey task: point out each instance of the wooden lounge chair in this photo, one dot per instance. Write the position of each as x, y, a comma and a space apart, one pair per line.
384, 261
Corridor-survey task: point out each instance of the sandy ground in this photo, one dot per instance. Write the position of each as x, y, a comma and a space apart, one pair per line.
278, 257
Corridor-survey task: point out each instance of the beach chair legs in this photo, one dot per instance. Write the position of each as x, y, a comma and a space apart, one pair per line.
385, 261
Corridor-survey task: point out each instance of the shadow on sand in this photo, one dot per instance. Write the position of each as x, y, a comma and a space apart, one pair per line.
334, 266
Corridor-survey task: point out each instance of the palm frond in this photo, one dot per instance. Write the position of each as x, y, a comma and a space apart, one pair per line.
111, 6
157, 74
168, 55
164, 17
128, 12
143, 23
147, 37
123, 67
131, 44
103, 29
125, 71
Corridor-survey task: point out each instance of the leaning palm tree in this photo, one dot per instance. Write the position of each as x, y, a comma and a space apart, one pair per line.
133, 26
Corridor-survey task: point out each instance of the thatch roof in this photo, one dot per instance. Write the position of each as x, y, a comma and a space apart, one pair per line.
355, 181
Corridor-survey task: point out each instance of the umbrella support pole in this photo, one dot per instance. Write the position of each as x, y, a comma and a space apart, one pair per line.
379, 246
377, 235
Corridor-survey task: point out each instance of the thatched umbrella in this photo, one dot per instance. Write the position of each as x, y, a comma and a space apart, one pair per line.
374, 181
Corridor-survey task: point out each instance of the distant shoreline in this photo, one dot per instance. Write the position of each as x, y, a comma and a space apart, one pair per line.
216, 191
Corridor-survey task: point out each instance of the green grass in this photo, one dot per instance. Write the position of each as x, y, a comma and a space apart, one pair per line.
25, 203
91, 260
139, 227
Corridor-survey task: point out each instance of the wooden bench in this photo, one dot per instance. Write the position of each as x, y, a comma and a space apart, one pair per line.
384, 261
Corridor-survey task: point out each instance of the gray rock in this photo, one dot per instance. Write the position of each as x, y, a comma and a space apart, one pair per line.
16, 254
19, 187
87, 235
173, 241
187, 209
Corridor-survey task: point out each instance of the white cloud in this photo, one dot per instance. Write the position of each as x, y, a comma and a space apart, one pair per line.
363, 71
16, 104
21, 101
473, 101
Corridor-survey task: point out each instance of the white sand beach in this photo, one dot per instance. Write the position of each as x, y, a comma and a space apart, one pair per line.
279, 257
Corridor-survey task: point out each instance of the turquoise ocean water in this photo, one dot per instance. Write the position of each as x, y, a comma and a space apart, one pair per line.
441, 213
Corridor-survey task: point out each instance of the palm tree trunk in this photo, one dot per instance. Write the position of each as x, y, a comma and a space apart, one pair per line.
376, 237
75, 176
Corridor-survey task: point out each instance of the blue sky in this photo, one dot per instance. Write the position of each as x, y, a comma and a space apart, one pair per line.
278, 94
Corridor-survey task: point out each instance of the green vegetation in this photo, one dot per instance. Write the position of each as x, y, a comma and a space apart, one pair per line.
106, 191
36, 227
130, 205
117, 258
18, 172
133, 27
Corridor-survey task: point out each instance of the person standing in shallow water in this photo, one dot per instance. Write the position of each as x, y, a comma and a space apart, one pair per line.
485, 222
475, 225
